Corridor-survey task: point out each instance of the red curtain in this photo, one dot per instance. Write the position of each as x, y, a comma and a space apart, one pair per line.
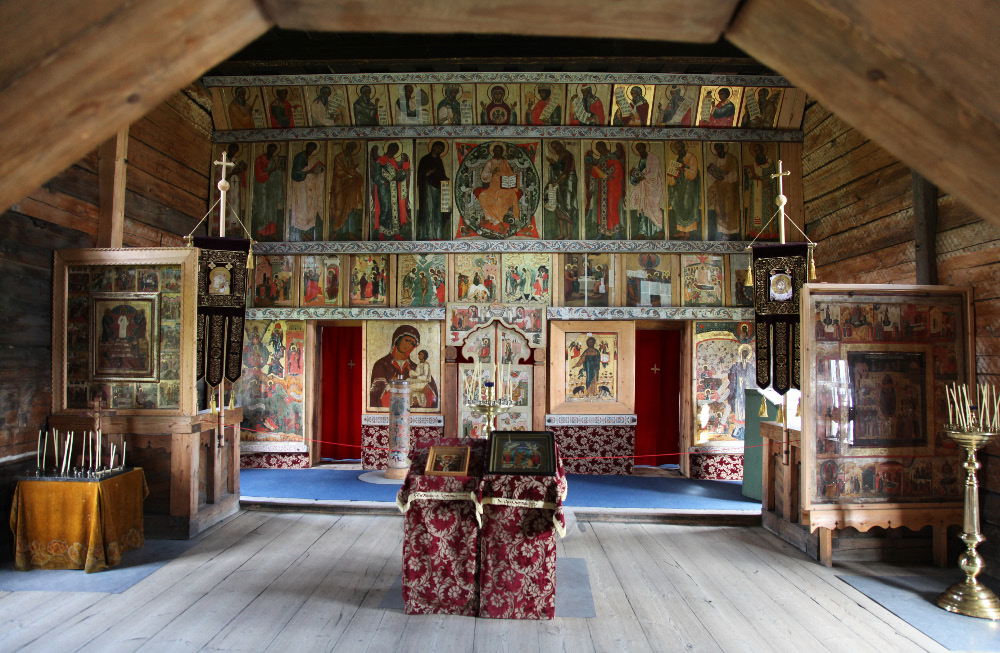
341, 393
657, 395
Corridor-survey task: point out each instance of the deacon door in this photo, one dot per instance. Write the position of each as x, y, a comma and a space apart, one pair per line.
340, 435
657, 395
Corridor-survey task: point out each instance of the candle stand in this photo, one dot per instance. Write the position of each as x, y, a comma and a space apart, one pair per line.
969, 596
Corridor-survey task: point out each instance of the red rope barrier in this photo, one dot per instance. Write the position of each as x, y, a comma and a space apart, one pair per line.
647, 455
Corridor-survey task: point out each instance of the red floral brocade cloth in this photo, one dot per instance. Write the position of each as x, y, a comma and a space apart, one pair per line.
504, 568
77, 524
441, 534
517, 545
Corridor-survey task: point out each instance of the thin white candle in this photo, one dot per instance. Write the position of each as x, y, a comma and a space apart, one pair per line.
45, 449
477, 378
959, 413
55, 448
996, 409
964, 405
968, 407
947, 397
38, 450
124, 444
62, 467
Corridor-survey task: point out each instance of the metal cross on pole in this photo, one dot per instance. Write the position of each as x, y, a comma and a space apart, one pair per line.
781, 200
223, 186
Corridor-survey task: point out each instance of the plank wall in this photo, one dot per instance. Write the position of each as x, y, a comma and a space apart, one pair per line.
859, 209
169, 154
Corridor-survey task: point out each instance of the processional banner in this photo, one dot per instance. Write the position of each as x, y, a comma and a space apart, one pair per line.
778, 274
222, 291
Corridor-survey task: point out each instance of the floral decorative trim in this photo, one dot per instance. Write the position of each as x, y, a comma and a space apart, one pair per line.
272, 447
274, 461
717, 467
597, 448
590, 420
669, 313
415, 420
508, 131
345, 313
500, 77
503, 246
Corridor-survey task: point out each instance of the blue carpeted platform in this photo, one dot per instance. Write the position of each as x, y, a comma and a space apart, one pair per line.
655, 493
641, 492
135, 566
914, 600
313, 484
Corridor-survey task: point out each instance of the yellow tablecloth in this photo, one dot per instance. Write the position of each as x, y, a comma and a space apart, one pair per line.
77, 524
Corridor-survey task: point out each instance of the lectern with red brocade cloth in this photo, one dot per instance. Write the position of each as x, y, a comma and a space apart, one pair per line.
505, 569
441, 534
517, 544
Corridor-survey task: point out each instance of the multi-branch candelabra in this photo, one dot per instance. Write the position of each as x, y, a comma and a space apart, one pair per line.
972, 426
489, 399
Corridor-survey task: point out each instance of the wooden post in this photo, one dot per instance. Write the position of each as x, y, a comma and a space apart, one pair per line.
687, 396
767, 474
111, 189
826, 547
925, 229
541, 390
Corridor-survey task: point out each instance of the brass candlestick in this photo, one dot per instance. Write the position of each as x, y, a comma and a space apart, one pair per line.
969, 596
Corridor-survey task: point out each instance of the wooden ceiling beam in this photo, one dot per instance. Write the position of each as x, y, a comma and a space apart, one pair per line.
915, 76
694, 21
113, 68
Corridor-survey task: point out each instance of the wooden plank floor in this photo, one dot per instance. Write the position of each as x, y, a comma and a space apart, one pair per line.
313, 582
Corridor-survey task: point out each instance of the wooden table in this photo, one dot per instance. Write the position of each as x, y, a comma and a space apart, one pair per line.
77, 523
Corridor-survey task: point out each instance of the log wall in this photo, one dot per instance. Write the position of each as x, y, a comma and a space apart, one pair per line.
859, 210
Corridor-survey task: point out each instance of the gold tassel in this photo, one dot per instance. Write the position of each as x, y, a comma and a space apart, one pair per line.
250, 260
749, 283
211, 404
780, 419
812, 266
798, 409
232, 398
763, 408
